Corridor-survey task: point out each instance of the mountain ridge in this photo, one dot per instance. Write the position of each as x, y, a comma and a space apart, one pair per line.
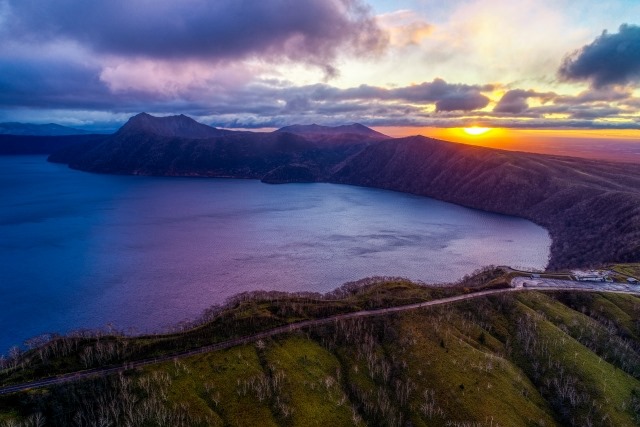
180, 146
590, 208
31, 129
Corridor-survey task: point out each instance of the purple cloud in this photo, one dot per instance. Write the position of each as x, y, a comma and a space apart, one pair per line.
445, 96
463, 102
311, 31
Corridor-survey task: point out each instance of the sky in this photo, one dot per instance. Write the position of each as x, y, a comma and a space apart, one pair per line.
405, 66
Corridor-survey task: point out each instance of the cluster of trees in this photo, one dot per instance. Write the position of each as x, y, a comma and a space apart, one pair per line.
563, 389
114, 401
83, 349
387, 399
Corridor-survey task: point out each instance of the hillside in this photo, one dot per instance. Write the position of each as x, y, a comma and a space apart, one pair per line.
180, 146
171, 126
591, 208
528, 359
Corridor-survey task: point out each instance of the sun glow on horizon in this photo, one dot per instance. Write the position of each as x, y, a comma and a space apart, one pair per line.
475, 130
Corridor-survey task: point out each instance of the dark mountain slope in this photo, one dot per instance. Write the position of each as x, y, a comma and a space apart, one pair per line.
171, 126
147, 145
591, 208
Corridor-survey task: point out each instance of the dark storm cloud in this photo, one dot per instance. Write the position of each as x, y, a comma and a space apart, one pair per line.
611, 59
50, 82
64, 54
312, 31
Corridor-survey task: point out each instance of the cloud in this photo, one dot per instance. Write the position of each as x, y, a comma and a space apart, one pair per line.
49, 81
499, 40
309, 31
449, 97
173, 78
252, 102
611, 59
592, 95
515, 101
591, 113
445, 96
468, 102
405, 28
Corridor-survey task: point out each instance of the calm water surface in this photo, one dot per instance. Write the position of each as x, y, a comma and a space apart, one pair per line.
80, 250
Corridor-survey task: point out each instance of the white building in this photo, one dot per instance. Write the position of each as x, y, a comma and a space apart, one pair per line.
591, 275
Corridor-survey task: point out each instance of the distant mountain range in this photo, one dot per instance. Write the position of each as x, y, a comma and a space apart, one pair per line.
591, 208
180, 146
352, 129
29, 138
50, 129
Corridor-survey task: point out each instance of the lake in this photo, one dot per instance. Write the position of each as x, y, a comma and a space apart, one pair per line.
80, 250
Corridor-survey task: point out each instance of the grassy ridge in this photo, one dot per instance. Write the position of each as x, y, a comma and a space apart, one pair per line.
244, 315
513, 360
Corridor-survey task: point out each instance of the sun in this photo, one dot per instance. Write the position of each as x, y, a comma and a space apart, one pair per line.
475, 130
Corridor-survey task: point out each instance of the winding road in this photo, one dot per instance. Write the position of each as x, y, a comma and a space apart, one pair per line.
518, 284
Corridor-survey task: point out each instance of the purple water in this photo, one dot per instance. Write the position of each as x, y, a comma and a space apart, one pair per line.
80, 250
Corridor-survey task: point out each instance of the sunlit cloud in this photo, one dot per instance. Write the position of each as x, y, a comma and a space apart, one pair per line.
487, 63
169, 79
405, 28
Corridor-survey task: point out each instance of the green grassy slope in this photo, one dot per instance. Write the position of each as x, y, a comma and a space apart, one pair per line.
244, 315
530, 359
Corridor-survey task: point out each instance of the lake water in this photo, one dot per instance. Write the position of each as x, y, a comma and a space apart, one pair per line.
79, 250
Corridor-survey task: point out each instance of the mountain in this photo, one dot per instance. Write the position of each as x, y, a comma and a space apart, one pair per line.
317, 130
50, 129
171, 126
591, 208
180, 146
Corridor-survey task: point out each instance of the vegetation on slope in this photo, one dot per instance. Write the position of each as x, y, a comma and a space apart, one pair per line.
528, 359
241, 316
